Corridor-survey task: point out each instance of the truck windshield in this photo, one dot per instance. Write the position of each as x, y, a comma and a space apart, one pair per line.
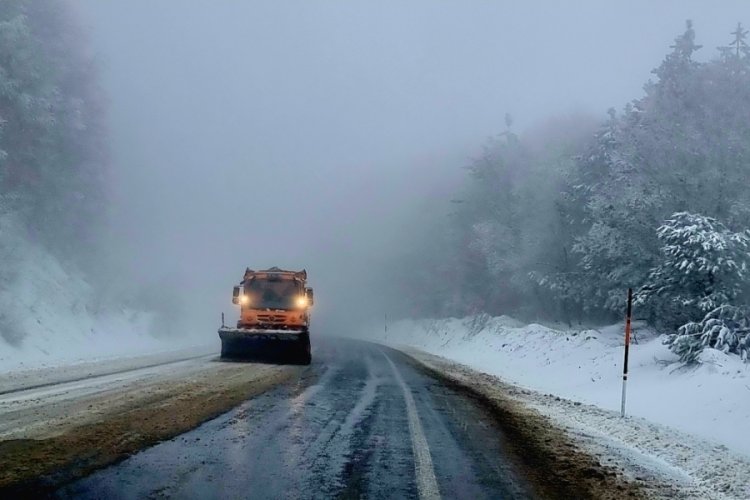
272, 294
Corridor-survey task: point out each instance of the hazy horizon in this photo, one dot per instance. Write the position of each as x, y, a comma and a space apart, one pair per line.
309, 135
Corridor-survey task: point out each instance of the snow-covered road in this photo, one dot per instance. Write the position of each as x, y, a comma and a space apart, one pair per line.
361, 420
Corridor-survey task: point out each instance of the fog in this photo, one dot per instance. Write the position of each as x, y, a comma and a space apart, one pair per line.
317, 134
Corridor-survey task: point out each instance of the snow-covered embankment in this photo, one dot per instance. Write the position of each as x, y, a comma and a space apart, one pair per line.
51, 316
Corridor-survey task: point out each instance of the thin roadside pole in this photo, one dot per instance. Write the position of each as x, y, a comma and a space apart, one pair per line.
627, 349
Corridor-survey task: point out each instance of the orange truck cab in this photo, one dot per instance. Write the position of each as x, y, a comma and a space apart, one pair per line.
274, 316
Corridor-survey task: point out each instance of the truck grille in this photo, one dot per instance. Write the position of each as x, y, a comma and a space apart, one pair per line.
273, 319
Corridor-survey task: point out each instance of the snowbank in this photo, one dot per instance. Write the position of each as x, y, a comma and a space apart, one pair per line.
711, 401
47, 316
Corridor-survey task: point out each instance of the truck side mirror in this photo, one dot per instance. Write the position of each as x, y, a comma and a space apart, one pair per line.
310, 296
236, 295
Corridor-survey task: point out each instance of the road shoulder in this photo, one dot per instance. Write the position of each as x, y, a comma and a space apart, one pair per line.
560, 460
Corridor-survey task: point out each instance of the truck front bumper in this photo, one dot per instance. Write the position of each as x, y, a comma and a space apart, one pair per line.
250, 334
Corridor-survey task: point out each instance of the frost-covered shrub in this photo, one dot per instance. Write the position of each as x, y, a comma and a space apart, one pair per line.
687, 345
726, 328
704, 266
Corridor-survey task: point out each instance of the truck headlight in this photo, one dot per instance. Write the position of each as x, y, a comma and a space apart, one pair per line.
244, 299
301, 301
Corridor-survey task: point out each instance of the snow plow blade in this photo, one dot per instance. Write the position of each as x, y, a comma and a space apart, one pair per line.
281, 346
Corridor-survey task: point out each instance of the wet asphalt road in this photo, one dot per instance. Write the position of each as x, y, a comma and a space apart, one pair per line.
360, 422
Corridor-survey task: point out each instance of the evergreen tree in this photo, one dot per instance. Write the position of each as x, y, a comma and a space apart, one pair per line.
704, 266
726, 328
738, 49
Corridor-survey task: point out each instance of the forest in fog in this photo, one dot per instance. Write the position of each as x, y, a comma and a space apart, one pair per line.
54, 162
557, 223
53, 150
554, 222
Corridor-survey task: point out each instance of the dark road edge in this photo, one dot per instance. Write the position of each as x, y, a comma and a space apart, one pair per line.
554, 466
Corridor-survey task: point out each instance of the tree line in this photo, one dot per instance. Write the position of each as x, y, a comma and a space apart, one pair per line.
53, 148
557, 223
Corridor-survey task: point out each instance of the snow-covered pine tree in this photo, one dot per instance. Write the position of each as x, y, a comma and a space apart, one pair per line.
703, 267
629, 180
726, 328
618, 208
496, 217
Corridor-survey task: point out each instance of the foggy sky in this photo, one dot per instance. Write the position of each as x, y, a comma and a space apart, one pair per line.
311, 133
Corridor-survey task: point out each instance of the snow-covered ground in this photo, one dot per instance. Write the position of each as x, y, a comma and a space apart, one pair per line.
48, 315
680, 417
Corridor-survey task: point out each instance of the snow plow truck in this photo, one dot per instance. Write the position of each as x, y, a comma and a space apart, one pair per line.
274, 321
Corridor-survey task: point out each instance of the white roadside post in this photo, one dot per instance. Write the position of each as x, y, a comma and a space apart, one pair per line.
627, 348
